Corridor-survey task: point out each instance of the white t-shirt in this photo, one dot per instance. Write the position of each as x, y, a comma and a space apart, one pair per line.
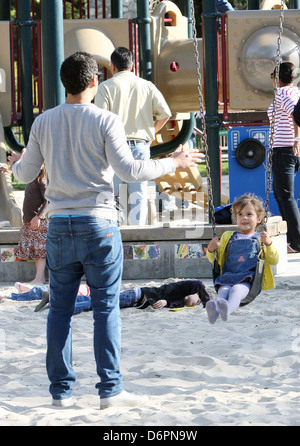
136, 101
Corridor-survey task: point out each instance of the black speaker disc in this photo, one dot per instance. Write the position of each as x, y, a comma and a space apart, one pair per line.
250, 153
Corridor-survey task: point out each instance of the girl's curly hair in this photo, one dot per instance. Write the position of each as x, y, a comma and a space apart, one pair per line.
243, 200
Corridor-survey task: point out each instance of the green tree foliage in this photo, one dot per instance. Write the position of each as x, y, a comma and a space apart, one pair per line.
75, 13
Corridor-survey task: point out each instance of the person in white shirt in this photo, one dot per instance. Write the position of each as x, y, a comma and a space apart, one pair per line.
286, 151
143, 111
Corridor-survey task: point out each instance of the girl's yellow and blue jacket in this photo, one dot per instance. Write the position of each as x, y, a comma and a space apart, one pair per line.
271, 258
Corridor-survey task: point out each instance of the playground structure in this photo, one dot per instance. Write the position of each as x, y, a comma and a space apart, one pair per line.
236, 59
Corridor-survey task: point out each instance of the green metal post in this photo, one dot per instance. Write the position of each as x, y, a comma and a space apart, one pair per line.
186, 11
5, 10
53, 52
211, 94
253, 4
143, 21
10, 137
26, 24
116, 9
294, 4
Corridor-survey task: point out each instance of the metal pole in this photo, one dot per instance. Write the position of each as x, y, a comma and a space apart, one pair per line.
53, 52
211, 95
10, 138
253, 4
188, 14
186, 10
25, 24
116, 7
294, 4
5, 10
143, 21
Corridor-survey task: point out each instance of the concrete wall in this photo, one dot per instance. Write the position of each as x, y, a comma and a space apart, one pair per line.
151, 252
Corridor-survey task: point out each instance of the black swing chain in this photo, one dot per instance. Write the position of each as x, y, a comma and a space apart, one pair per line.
272, 126
203, 122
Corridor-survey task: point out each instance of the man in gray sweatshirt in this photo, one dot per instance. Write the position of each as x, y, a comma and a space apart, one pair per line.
82, 146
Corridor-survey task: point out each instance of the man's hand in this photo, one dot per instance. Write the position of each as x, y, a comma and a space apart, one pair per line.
186, 158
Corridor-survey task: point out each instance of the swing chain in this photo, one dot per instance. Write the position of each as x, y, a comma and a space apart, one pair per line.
153, 4
203, 123
272, 126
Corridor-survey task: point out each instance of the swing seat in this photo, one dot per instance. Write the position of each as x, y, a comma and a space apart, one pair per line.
256, 284
257, 279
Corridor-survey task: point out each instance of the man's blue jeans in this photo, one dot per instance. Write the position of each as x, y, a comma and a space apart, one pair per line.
77, 246
137, 191
284, 167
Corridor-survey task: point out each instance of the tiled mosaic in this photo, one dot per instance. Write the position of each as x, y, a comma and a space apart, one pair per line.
8, 255
190, 250
151, 252
134, 252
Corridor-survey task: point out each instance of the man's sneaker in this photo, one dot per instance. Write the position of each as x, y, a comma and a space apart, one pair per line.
66, 402
123, 399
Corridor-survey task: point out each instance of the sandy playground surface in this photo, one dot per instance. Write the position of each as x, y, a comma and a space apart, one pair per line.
244, 372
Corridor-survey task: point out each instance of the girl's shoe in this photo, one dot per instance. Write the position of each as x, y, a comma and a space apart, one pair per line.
212, 312
223, 309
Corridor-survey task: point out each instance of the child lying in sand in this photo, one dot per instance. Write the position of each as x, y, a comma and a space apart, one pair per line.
172, 295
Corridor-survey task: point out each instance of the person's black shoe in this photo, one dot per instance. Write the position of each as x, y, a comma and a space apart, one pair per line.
44, 301
142, 303
291, 250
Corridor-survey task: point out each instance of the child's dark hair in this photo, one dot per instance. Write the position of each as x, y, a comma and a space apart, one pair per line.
286, 72
242, 201
77, 72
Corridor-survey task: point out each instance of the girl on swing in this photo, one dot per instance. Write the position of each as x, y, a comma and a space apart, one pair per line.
237, 257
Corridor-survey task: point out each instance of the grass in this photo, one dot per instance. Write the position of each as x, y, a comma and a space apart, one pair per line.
202, 168
16, 184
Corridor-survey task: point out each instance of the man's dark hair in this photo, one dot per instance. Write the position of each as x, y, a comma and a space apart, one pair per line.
121, 58
77, 72
286, 72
